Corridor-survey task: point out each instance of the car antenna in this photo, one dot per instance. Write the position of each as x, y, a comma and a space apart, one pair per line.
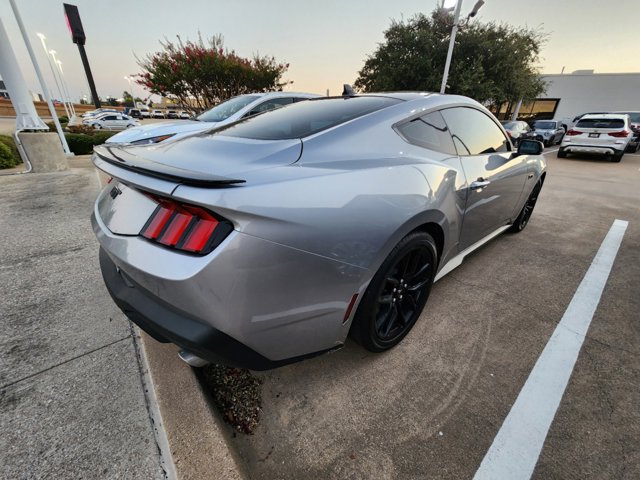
348, 91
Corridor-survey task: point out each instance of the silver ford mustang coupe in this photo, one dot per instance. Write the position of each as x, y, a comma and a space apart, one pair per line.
272, 239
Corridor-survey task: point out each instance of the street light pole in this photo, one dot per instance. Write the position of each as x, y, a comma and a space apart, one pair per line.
53, 72
43, 85
452, 41
454, 31
58, 64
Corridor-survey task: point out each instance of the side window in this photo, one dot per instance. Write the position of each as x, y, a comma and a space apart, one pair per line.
270, 105
110, 117
474, 133
428, 131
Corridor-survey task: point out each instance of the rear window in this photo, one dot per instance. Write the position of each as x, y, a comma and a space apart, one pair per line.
306, 118
600, 123
545, 125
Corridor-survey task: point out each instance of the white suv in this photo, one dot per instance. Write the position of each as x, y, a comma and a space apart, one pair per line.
607, 134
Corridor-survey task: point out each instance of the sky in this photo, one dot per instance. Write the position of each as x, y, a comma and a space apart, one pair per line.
325, 43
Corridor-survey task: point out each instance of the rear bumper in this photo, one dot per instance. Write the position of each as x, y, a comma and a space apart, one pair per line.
168, 324
597, 149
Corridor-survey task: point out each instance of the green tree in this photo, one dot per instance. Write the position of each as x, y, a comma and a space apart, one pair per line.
206, 73
492, 63
128, 99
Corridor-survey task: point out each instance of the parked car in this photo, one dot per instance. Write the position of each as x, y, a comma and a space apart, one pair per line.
226, 112
99, 111
111, 121
607, 134
634, 123
569, 122
157, 114
267, 241
145, 112
517, 130
135, 113
549, 132
184, 115
172, 114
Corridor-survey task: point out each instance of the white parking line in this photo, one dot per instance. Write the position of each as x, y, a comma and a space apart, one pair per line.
517, 446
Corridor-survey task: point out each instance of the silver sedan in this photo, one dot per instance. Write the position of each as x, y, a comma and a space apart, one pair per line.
274, 238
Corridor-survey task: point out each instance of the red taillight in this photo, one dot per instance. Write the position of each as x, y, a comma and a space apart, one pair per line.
573, 132
620, 134
184, 227
158, 221
176, 229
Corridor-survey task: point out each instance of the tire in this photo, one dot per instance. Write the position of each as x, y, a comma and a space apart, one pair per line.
97, 126
397, 294
616, 157
562, 153
522, 220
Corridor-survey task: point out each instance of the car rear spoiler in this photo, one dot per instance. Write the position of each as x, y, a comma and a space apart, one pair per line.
123, 159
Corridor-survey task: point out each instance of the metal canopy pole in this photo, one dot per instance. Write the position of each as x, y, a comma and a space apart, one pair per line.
43, 85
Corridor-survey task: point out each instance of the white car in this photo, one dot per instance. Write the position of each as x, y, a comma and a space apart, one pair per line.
184, 115
145, 112
227, 112
157, 114
111, 121
99, 111
605, 134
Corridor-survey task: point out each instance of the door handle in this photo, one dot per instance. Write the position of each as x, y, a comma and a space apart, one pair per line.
480, 183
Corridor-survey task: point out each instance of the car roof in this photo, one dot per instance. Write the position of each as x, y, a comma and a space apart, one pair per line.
604, 115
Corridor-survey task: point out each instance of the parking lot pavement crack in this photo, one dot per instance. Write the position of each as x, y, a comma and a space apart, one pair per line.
40, 372
50, 253
612, 347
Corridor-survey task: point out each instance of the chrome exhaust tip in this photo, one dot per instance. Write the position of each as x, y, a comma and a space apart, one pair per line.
192, 359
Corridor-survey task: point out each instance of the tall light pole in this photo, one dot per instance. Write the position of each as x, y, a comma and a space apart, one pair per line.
53, 72
43, 85
58, 64
454, 31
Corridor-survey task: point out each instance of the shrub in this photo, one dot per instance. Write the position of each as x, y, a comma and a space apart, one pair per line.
11, 143
63, 119
52, 126
6, 157
82, 144
100, 137
79, 143
81, 129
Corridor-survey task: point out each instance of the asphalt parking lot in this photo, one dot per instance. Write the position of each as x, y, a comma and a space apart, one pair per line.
432, 407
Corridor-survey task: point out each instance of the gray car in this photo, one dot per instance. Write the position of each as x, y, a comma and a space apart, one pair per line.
274, 238
548, 132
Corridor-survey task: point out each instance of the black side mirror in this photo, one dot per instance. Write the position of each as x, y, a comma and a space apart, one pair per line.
530, 147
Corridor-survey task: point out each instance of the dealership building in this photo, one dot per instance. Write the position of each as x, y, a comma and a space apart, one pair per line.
582, 91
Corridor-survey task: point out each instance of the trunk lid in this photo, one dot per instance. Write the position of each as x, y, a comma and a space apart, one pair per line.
209, 161
212, 154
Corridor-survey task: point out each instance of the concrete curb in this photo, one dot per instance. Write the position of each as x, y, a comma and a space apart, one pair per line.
195, 435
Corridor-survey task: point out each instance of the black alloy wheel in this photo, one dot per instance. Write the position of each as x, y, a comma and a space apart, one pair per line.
397, 294
525, 214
